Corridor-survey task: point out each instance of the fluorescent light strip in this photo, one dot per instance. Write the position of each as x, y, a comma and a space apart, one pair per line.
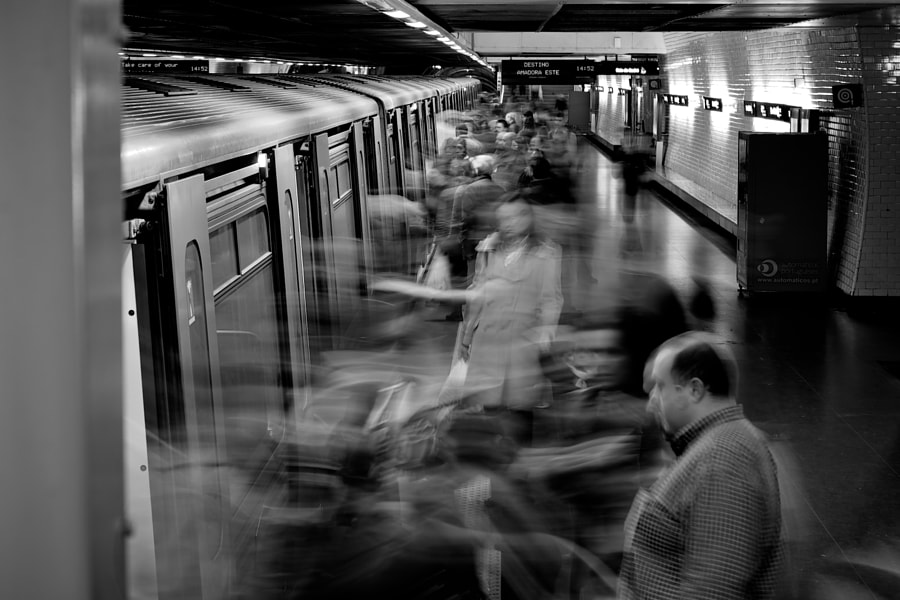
397, 14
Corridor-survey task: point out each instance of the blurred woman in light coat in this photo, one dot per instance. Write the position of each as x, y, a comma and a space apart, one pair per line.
512, 310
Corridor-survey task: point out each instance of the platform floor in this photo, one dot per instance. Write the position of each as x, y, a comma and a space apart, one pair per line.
824, 382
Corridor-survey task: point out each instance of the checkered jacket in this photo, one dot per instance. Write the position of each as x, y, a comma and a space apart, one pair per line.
710, 527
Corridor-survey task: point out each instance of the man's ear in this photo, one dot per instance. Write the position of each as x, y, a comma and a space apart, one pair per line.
697, 389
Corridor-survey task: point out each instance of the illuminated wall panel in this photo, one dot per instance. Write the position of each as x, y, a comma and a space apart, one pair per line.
788, 66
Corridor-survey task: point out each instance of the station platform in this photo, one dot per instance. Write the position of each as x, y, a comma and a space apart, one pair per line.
822, 382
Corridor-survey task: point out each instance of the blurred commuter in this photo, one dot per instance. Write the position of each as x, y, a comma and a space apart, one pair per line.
466, 131
710, 527
596, 443
512, 310
468, 497
478, 202
509, 162
454, 172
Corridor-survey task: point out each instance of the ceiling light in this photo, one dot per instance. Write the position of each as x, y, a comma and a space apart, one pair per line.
397, 14
415, 24
443, 39
433, 32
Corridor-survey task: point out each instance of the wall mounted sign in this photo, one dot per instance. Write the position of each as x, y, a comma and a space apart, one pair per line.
655, 84
712, 103
626, 67
556, 71
623, 91
751, 108
610, 89
847, 96
675, 99
600, 89
776, 112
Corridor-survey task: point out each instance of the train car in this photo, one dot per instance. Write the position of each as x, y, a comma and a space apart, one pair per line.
249, 239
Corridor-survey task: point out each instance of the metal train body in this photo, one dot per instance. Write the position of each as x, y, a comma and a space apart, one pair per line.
249, 205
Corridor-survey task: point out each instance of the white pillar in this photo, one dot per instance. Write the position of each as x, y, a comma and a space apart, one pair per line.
61, 503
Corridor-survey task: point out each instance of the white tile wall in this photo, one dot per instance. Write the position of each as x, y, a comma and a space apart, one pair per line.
798, 67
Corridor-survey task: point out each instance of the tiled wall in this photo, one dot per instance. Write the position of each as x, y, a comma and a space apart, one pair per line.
611, 108
798, 67
879, 265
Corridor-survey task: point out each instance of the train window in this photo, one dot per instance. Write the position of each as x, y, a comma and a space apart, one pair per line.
344, 181
223, 249
252, 238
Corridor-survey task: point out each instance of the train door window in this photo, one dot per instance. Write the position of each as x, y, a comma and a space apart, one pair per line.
222, 246
253, 239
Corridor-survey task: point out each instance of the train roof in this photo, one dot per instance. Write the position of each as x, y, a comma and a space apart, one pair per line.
175, 122
390, 91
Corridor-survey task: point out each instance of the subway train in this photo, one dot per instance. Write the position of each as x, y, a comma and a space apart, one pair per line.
255, 206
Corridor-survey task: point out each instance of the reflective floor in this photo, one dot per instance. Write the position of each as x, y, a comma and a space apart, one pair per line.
821, 381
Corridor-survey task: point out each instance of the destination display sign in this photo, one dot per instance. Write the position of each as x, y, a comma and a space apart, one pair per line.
534, 72
161, 65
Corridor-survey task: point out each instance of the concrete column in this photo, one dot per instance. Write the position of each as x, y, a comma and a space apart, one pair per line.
61, 508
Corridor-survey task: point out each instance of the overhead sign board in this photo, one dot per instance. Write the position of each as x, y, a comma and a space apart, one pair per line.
536, 72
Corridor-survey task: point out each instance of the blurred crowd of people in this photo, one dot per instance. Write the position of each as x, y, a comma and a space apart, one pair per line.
583, 441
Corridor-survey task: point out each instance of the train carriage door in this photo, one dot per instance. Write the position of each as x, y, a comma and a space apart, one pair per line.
359, 181
204, 529
398, 149
288, 193
413, 167
340, 241
429, 129
392, 154
248, 288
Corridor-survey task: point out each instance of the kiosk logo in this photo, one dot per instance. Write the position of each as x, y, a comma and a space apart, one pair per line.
768, 268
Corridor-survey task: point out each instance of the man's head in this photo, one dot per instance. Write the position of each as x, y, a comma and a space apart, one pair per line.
689, 377
505, 140
483, 164
597, 355
501, 126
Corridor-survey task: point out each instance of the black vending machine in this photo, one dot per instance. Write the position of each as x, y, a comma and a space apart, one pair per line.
782, 211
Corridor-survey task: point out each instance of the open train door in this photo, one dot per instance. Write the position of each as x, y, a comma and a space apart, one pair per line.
191, 527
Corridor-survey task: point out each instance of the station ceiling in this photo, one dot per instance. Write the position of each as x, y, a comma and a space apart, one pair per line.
360, 32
